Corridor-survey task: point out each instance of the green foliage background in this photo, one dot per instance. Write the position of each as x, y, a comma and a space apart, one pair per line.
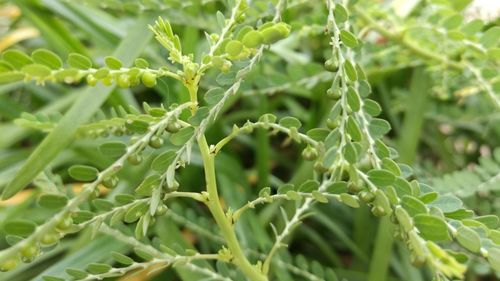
435, 77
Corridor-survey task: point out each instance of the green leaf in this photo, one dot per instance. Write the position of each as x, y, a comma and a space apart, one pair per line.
52, 278
413, 205
447, 203
162, 161
378, 128
340, 13
135, 212
381, 177
79, 61
137, 126
318, 134
491, 221
148, 185
290, 122
349, 200
52, 201
353, 99
372, 107
348, 39
113, 149
214, 95
431, 227
47, 58
453, 21
98, 268
350, 153
353, 129
122, 259
469, 239
113, 63
103, 204
494, 258
83, 173
76, 273
19, 227
490, 37
82, 110
350, 70
141, 63
16, 58
182, 136
36, 70
309, 186
10, 77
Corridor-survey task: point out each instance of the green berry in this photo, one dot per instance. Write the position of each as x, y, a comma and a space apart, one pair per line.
49, 239
332, 124
134, 159
161, 210
252, 39
9, 265
173, 127
65, 223
108, 80
29, 252
233, 48
91, 81
123, 81
335, 95
309, 153
171, 188
110, 182
318, 167
378, 211
148, 79
156, 142
353, 187
366, 196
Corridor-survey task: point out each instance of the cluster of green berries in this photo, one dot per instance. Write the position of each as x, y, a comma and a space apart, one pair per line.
31, 250
130, 78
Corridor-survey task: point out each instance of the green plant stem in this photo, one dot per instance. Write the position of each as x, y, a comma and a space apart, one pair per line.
226, 226
224, 222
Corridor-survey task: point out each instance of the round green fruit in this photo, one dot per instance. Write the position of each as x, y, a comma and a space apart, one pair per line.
49, 239
148, 79
110, 182
9, 265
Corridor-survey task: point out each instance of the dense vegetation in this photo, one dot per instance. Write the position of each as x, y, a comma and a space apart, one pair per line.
249, 140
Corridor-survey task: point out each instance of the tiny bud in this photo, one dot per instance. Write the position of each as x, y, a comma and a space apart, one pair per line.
331, 65
156, 142
173, 127
49, 239
309, 153
65, 223
378, 211
91, 81
332, 124
110, 182
135, 159
335, 95
123, 81
366, 196
29, 252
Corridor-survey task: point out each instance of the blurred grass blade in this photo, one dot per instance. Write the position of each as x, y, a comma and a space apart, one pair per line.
83, 109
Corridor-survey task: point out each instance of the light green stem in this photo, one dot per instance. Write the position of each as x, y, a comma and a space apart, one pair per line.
224, 222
